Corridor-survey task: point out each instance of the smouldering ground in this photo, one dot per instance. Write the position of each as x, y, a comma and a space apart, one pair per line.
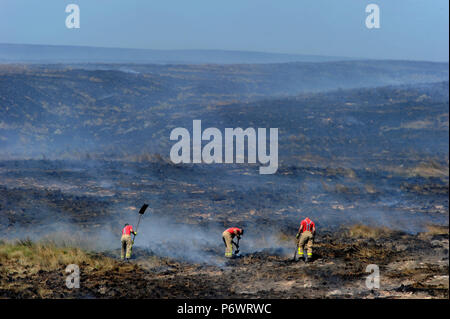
411, 266
178, 252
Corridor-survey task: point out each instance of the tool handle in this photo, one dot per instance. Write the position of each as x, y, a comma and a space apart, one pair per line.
137, 226
139, 221
296, 250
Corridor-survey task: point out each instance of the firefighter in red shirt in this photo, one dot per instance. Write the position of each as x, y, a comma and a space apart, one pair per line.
228, 236
127, 242
305, 236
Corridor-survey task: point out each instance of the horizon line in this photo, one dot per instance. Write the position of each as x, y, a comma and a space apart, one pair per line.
225, 50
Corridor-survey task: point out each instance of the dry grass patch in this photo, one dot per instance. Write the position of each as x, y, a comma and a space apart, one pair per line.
434, 230
48, 256
437, 230
427, 168
363, 231
431, 169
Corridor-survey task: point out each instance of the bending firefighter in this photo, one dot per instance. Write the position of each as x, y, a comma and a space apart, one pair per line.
127, 242
305, 237
228, 236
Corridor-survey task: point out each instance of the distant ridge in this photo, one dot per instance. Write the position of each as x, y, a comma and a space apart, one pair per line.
36, 53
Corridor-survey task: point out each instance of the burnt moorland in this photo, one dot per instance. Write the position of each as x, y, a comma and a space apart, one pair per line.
84, 145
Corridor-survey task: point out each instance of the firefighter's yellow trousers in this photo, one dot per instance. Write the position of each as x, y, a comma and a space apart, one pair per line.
127, 243
306, 239
227, 239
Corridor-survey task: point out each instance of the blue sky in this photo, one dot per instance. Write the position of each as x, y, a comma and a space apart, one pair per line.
410, 29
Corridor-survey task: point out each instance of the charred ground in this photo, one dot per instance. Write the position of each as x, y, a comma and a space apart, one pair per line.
374, 156
179, 253
411, 266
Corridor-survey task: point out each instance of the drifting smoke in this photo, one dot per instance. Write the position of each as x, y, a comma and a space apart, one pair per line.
69, 235
181, 241
195, 243
86, 203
